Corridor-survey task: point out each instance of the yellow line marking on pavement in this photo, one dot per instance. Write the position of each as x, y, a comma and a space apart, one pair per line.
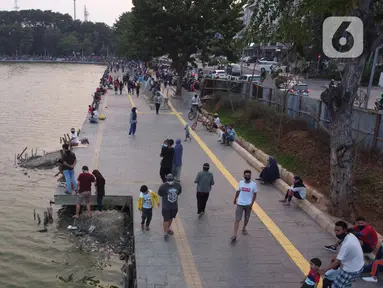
286, 244
131, 100
97, 145
186, 256
189, 268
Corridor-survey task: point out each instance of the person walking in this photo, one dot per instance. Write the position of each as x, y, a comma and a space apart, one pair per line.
177, 160
100, 188
169, 192
138, 86
69, 161
204, 181
85, 180
146, 202
167, 154
244, 199
121, 86
133, 121
157, 102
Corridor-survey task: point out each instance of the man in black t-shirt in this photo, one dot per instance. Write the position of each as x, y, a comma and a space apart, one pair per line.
169, 192
68, 163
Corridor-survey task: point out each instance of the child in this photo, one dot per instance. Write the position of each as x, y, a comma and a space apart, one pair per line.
187, 132
313, 277
100, 188
61, 180
146, 202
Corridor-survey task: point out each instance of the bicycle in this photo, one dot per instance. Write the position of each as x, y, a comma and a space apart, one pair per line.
209, 126
193, 113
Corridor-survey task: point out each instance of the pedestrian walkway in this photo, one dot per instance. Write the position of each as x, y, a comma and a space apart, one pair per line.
200, 253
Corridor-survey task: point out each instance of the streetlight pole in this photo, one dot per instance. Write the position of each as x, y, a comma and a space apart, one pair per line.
376, 53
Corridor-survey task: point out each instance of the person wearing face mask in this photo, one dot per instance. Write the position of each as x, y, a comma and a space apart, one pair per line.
244, 199
169, 192
297, 190
350, 257
367, 236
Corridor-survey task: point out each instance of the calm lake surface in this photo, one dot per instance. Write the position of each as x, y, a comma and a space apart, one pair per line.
39, 103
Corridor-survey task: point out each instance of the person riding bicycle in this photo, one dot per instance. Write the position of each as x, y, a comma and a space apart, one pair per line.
196, 103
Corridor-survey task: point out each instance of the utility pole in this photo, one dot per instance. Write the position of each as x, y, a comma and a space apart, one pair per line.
16, 5
376, 54
74, 10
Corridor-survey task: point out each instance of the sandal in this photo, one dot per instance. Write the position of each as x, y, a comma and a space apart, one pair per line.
170, 232
233, 239
244, 232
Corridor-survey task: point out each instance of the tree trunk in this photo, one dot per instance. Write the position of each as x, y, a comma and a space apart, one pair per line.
181, 74
339, 102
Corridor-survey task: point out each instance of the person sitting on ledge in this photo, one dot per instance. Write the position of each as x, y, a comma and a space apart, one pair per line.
229, 135
74, 138
298, 190
94, 117
366, 235
270, 173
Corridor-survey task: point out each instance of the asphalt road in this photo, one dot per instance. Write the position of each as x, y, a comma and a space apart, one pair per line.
316, 86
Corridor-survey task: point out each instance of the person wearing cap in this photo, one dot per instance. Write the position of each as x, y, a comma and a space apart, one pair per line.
169, 192
84, 184
74, 138
204, 181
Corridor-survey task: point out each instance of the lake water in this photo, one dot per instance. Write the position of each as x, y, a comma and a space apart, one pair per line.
39, 103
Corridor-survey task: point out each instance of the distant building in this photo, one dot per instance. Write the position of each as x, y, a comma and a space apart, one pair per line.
259, 50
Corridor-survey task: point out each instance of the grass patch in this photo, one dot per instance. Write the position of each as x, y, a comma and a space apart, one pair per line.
263, 140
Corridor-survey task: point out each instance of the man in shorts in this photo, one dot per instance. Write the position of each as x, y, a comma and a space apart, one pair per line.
244, 199
84, 184
169, 192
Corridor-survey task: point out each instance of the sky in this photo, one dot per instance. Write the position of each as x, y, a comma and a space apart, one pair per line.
99, 10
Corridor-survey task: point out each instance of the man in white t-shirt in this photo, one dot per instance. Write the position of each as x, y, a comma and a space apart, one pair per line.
244, 199
350, 257
74, 137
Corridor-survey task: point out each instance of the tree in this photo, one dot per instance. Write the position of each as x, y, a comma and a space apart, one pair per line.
39, 32
293, 22
26, 41
69, 44
180, 29
133, 39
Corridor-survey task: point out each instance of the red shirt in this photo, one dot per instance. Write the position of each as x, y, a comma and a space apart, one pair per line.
86, 180
367, 235
90, 109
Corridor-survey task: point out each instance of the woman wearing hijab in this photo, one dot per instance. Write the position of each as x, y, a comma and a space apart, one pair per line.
270, 173
133, 121
297, 190
177, 160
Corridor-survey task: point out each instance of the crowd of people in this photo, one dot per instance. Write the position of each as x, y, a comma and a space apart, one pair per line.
353, 243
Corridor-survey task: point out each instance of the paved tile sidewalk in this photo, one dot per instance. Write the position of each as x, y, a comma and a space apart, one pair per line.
257, 260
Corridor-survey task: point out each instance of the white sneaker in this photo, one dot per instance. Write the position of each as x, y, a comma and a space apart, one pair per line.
370, 279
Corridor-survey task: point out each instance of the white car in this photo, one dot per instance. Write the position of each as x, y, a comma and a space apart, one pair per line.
249, 77
218, 74
269, 65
